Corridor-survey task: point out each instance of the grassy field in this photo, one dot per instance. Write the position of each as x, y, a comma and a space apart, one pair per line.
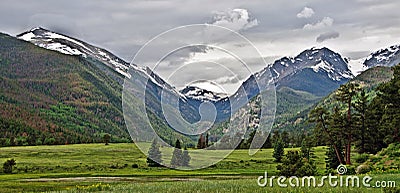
122, 168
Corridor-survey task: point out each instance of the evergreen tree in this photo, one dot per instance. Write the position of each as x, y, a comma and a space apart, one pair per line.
275, 136
185, 158
285, 138
345, 94
306, 148
363, 134
106, 138
324, 130
154, 157
331, 160
293, 164
176, 160
279, 150
373, 124
8, 166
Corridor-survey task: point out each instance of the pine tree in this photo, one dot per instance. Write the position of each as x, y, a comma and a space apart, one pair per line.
363, 134
185, 158
279, 150
326, 129
106, 138
331, 160
345, 94
306, 148
176, 160
373, 124
154, 157
285, 138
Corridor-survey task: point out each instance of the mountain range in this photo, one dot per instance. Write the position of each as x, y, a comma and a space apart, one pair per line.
301, 81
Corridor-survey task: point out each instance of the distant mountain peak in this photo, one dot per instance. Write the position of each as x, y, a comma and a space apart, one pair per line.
201, 94
319, 59
389, 56
384, 57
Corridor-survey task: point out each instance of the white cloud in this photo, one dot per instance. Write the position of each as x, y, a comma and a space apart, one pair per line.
326, 22
306, 13
236, 19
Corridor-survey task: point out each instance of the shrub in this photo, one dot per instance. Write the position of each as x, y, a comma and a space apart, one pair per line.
135, 166
361, 158
351, 170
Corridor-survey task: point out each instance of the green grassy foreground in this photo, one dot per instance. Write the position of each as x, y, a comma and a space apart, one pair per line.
123, 168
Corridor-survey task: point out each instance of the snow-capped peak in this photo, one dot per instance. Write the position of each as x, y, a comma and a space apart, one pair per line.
319, 59
71, 46
384, 57
202, 94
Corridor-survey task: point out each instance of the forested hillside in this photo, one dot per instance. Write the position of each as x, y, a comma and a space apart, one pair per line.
51, 98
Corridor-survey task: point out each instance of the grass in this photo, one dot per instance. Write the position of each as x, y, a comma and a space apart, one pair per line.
96, 167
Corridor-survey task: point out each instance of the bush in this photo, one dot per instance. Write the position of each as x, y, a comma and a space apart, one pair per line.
351, 170
135, 166
8, 166
363, 169
361, 158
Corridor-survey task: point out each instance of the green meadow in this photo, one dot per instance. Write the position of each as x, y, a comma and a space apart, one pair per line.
122, 168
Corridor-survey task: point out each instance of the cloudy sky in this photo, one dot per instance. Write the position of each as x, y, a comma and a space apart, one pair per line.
353, 28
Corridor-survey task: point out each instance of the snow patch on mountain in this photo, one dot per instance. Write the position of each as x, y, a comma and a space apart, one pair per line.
356, 66
70, 46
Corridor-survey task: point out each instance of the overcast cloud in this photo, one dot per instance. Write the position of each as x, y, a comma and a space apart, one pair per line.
353, 28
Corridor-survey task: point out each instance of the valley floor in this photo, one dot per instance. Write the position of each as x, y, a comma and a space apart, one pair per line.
122, 168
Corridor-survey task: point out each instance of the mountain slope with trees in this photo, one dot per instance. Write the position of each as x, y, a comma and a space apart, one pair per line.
50, 98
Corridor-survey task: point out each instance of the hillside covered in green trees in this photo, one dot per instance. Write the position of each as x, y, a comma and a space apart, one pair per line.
51, 98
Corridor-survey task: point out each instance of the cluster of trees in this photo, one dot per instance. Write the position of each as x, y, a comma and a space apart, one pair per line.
180, 158
359, 119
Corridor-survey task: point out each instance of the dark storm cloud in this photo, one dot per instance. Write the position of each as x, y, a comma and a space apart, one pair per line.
327, 36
